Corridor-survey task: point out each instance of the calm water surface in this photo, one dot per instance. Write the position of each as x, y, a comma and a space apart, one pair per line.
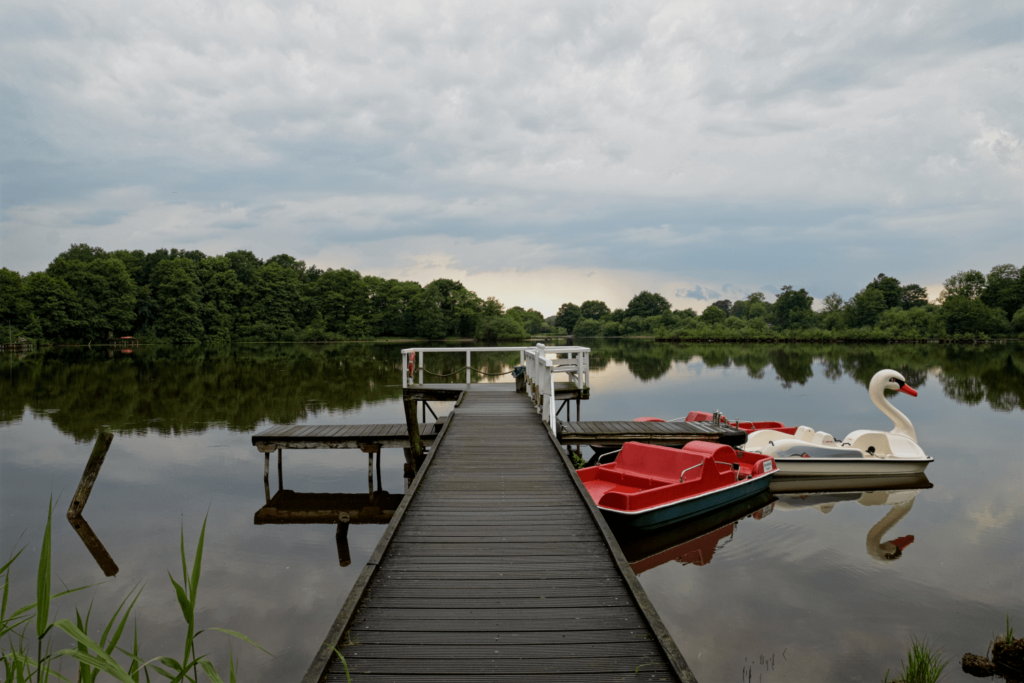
797, 586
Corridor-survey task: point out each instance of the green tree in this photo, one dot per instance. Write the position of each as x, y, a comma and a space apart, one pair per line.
712, 315
54, 313
531, 320
792, 308
179, 299
646, 304
588, 327
495, 328
724, 304
104, 290
568, 315
966, 283
343, 298
14, 306
912, 296
865, 307
833, 303
1004, 288
964, 315
594, 310
891, 290
223, 295
390, 306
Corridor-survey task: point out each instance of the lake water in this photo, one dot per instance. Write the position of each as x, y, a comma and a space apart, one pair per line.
794, 587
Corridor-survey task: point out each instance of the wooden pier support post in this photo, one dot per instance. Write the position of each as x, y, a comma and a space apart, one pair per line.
266, 476
372, 449
280, 475
415, 442
92, 470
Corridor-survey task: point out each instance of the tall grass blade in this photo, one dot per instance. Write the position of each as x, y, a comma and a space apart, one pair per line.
43, 580
210, 671
100, 659
197, 564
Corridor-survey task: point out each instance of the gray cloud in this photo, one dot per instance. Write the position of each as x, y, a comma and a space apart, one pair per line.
653, 137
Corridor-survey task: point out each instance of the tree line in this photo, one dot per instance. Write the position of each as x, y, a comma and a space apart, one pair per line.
87, 295
971, 305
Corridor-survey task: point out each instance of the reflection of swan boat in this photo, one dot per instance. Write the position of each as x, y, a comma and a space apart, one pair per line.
693, 542
650, 486
897, 492
801, 451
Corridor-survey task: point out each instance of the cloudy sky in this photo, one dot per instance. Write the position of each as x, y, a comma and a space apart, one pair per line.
539, 152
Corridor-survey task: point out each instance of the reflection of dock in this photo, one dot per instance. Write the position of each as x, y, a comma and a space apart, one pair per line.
340, 509
289, 507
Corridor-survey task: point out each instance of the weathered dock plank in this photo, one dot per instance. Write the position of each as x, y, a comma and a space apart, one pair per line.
616, 433
339, 436
497, 566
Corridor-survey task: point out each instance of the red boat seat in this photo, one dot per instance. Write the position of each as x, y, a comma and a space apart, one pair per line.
647, 419
698, 416
657, 463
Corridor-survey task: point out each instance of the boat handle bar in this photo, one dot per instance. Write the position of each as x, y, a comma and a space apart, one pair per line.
683, 474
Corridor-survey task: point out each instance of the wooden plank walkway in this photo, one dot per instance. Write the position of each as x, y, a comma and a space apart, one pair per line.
615, 433
498, 566
340, 436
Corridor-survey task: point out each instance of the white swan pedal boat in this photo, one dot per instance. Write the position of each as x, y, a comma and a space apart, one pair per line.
804, 452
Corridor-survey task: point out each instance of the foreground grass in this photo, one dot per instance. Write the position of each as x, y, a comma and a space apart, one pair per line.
92, 656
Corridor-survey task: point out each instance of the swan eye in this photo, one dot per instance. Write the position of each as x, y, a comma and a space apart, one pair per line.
898, 382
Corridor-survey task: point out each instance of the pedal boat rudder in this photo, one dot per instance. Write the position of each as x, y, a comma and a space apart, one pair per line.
651, 486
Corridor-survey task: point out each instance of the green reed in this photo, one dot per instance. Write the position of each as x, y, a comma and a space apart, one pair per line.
94, 657
924, 664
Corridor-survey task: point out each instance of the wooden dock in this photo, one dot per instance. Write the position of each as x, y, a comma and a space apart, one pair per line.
497, 566
614, 433
340, 436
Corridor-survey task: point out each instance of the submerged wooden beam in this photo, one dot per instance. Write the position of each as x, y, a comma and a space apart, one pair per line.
92, 470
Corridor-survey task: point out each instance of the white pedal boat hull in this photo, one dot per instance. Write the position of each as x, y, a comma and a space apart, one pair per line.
849, 467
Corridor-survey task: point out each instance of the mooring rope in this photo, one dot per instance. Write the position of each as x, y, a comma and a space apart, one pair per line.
459, 371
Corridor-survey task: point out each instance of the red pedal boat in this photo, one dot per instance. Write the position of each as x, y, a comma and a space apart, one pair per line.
651, 486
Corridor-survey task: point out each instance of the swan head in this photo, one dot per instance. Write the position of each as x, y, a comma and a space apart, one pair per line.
890, 380
893, 381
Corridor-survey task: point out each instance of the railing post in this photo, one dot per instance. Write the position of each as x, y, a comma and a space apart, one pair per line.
423, 362
467, 366
405, 370
551, 410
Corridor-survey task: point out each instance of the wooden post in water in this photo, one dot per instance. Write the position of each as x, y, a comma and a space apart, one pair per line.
280, 475
415, 442
92, 470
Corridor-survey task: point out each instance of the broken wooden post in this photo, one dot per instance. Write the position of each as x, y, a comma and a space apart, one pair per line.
92, 470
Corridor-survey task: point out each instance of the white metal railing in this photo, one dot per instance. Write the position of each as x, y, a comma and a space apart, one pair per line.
541, 368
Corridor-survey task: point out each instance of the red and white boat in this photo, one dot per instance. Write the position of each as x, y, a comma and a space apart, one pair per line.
651, 486
803, 452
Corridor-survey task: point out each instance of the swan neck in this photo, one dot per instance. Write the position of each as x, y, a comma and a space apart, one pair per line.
901, 424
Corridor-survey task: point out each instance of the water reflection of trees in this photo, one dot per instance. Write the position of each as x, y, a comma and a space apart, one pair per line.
188, 388
992, 373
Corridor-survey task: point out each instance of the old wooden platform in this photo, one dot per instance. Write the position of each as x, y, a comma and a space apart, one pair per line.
613, 433
340, 436
498, 566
